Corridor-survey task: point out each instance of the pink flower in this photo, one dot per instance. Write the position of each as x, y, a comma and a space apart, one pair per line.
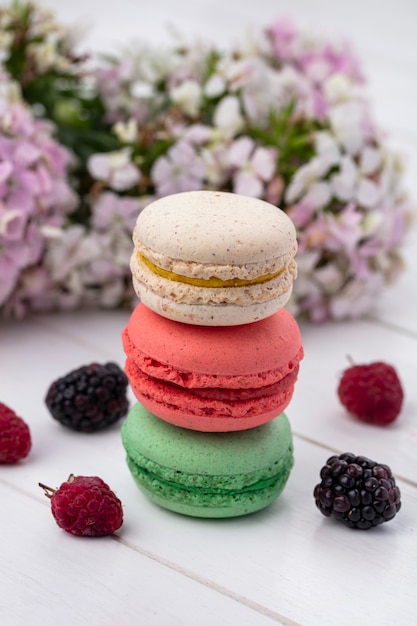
6, 168
317, 59
12, 225
180, 170
283, 36
9, 273
321, 63
111, 211
344, 229
252, 166
301, 213
34, 192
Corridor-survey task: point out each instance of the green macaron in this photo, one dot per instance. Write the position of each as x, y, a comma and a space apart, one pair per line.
203, 474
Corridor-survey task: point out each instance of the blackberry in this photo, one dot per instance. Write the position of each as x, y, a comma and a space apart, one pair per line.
89, 398
357, 491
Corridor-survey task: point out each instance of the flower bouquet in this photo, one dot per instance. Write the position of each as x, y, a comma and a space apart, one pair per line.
85, 146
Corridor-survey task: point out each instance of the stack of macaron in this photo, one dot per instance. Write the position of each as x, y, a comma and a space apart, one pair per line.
212, 355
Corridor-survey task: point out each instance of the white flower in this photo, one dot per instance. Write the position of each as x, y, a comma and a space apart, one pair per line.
253, 165
45, 55
338, 88
115, 168
6, 40
350, 183
197, 133
329, 277
346, 124
215, 165
356, 298
262, 93
370, 160
237, 72
126, 132
9, 90
227, 117
306, 183
318, 195
140, 89
187, 96
390, 181
327, 148
73, 249
215, 86
51, 232
306, 263
371, 223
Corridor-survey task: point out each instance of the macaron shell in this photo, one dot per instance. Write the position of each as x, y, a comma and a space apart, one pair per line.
245, 349
216, 227
207, 474
209, 314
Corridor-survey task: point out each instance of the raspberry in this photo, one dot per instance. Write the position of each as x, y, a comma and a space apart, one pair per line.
85, 506
89, 398
15, 439
357, 491
373, 392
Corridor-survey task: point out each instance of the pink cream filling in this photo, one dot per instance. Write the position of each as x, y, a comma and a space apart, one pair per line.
153, 393
141, 379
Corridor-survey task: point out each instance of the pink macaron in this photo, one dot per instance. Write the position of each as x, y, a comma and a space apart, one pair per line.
214, 378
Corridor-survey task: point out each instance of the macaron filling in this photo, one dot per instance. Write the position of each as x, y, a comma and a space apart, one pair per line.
222, 394
220, 490
213, 282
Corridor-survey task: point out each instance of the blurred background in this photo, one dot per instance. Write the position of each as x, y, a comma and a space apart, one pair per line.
390, 69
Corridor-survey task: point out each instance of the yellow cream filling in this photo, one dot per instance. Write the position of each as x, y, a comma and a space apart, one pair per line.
208, 282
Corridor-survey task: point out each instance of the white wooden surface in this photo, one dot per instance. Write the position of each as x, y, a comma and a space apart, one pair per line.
287, 564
